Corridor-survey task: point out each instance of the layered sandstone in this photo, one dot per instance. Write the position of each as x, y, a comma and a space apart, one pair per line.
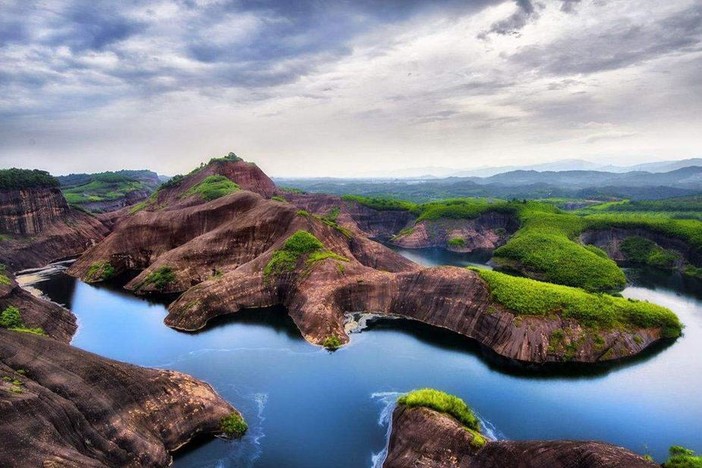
61, 406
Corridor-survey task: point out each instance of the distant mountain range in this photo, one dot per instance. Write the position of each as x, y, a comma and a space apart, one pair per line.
562, 165
636, 184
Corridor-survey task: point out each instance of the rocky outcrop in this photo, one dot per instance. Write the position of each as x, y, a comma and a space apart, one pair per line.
29, 212
486, 232
610, 241
422, 437
380, 225
38, 227
56, 321
61, 406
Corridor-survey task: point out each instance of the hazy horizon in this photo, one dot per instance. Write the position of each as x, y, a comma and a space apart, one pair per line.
315, 89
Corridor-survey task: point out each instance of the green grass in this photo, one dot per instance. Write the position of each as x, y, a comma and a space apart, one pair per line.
100, 271
105, 186
11, 318
233, 425
462, 208
160, 278
640, 251
213, 187
278, 198
680, 457
456, 242
4, 279
525, 296
443, 403
300, 244
381, 203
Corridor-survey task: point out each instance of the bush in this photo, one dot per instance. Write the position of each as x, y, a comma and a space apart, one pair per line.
213, 187
160, 278
530, 297
285, 259
442, 402
332, 343
456, 242
680, 457
233, 425
11, 318
642, 251
100, 271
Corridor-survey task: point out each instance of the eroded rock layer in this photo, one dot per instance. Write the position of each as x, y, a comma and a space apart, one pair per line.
61, 406
422, 437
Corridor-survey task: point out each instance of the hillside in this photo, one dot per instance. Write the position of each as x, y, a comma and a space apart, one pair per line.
108, 191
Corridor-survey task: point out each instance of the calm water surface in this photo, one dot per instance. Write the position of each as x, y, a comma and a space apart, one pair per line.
307, 407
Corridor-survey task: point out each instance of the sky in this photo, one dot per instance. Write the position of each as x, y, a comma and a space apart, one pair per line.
347, 87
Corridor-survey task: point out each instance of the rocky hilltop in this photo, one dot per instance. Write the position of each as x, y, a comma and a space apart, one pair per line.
424, 437
239, 249
60, 406
36, 224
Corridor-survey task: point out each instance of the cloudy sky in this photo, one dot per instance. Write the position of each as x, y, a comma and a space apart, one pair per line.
348, 87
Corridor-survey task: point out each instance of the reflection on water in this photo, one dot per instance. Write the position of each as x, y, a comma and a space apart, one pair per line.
310, 408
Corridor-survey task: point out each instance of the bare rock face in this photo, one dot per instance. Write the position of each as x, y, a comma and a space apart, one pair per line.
422, 437
29, 212
486, 232
61, 406
56, 321
38, 227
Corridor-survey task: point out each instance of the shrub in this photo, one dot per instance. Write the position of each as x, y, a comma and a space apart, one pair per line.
100, 271
279, 199
530, 297
160, 278
456, 242
301, 243
681, 457
442, 402
11, 318
213, 187
233, 425
332, 343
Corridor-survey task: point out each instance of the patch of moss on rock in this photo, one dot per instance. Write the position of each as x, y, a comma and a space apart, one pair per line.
213, 187
100, 271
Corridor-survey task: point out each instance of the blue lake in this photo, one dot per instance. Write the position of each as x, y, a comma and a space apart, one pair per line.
307, 407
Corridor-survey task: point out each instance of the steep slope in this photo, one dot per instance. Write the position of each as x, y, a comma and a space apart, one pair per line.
242, 250
108, 191
37, 225
65, 407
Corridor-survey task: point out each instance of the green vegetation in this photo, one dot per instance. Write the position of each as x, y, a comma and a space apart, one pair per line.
174, 181
462, 208
381, 203
278, 198
680, 457
100, 271
332, 343
456, 242
160, 278
300, 244
14, 179
530, 297
640, 251
231, 157
233, 425
213, 187
79, 189
11, 318
443, 403
4, 279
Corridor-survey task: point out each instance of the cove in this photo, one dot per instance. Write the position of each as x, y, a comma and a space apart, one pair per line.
307, 407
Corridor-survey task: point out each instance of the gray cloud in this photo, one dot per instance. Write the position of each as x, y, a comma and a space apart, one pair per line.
527, 11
